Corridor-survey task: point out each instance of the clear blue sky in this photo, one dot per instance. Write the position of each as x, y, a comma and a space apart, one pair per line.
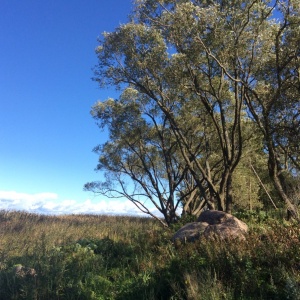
46, 92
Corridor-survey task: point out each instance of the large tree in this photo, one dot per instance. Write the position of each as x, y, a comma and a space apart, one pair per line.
273, 95
141, 160
200, 66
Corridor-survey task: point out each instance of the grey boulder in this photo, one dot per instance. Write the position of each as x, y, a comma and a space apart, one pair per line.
212, 224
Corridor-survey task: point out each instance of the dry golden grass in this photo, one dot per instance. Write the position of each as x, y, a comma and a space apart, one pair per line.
113, 257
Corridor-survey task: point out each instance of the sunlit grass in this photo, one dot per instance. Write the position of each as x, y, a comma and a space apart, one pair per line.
113, 257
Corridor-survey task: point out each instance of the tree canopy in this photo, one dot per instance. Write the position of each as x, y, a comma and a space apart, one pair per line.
201, 84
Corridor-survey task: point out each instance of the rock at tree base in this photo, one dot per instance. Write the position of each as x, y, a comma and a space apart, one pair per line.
212, 224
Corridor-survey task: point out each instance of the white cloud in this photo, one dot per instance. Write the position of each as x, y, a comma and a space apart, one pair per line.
11, 200
49, 203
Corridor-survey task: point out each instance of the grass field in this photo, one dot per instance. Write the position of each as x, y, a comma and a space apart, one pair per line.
109, 257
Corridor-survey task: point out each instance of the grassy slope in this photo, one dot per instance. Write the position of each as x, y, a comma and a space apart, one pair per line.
102, 257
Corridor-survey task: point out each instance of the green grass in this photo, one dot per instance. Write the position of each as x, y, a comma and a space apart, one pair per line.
107, 257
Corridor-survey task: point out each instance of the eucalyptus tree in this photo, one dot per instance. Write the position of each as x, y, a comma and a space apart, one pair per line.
183, 56
140, 159
257, 58
273, 95
200, 66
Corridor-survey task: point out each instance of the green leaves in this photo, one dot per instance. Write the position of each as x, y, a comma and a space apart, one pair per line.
192, 76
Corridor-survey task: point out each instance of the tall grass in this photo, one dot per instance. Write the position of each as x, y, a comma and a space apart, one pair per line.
109, 257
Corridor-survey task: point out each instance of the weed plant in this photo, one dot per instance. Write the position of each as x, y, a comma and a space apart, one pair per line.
109, 257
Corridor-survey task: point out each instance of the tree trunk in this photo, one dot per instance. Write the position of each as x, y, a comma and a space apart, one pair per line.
278, 180
229, 194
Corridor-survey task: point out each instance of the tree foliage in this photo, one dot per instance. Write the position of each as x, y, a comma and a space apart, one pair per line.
195, 76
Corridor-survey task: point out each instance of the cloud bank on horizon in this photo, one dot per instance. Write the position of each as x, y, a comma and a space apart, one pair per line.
49, 203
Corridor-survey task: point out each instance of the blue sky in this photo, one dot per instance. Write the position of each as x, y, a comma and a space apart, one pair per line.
47, 135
